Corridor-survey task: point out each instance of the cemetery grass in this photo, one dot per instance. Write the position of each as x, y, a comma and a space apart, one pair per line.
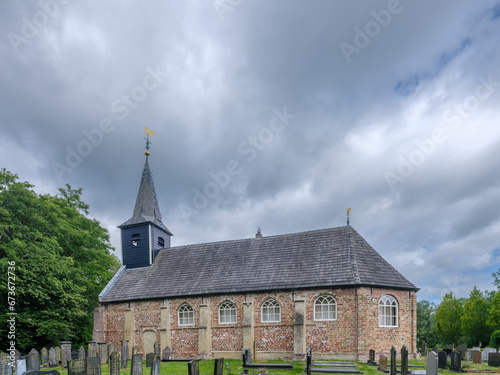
207, 368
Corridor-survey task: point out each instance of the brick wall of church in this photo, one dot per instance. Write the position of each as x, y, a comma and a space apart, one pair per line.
328, 339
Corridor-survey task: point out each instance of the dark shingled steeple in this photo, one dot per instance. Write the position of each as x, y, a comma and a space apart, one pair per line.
146, 205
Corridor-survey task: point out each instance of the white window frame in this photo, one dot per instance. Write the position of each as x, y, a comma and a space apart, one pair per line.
227, 313
388, 311
185, 315
325, 305
270, 311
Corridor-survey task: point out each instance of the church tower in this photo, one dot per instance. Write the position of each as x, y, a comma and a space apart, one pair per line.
144, 234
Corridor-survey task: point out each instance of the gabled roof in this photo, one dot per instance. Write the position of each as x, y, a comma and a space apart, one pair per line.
336, 257
146, 208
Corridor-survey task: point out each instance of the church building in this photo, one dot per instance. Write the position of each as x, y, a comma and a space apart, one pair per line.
325, 289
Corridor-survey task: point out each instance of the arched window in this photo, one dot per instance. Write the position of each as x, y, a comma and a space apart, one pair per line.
136, 239
186, 315
271, 311
227, 313
388, 311
161, 242
325, 308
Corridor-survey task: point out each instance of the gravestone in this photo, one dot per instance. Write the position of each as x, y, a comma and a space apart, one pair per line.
404, 360
219, 366
5, 367
166, 353
463, 350
424, 348
476, 356
486, 353
114, 364
435, 349
135, 350
76, 367
33, 361
110, 348
456, 362
125, 352
21, 366
150, 357
431, 367
193, 368
92, 349
52, 357
447, 351
81, 353
155, 368
382, 363
45, 357
156, 349
442, 359
93, 366
371, 357
136, 367
103, 352
494, 360
65, 353
58, 355
393, 361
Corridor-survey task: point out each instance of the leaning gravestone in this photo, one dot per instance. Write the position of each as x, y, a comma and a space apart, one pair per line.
476, 356
494, 360
136, 366
382, 363
45, 357
5, 367
166, 353
93, 366
76, 367
150, 357
456, 362
431, 366
155, 368
219, 366
404, 360
81, 353
33, 361
21, 366
114, 364
52, 357
393, 360
442, 359
193, 368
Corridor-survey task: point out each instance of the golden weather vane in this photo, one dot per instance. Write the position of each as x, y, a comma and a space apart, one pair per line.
147, 133
348, 211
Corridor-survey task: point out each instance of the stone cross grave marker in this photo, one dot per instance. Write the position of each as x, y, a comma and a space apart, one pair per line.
103, 354
33, 361
382, 363
494, 359
476, 356
463, 350
193, 368
443, 360
5, 367
81, 353
166, 353
393, 360
155, 368
45, 357
431, 367
76, 367
93, 366
21, 366
58, 355
456, 362
52, 357
114, 364
404, 360
150, 357
136, 367
219, 366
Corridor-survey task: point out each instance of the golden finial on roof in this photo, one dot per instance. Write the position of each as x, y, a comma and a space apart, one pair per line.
147, 133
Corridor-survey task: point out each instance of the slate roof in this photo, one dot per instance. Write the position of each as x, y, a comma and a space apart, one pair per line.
335, 257
146, 208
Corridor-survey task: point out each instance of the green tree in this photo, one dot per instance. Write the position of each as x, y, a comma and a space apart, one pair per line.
448, 323
426, 323
62, 260
496, 278
475, 316
494, 316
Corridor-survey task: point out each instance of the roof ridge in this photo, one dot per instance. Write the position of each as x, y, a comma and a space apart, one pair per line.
352, 255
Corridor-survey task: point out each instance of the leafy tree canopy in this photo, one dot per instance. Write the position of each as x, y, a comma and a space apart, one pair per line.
448, 319
426, 323
62, 259
494, 316
475, 315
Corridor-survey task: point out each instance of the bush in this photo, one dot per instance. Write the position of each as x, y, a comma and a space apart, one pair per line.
495, 339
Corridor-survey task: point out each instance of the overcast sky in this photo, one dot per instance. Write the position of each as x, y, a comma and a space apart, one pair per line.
271, 114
